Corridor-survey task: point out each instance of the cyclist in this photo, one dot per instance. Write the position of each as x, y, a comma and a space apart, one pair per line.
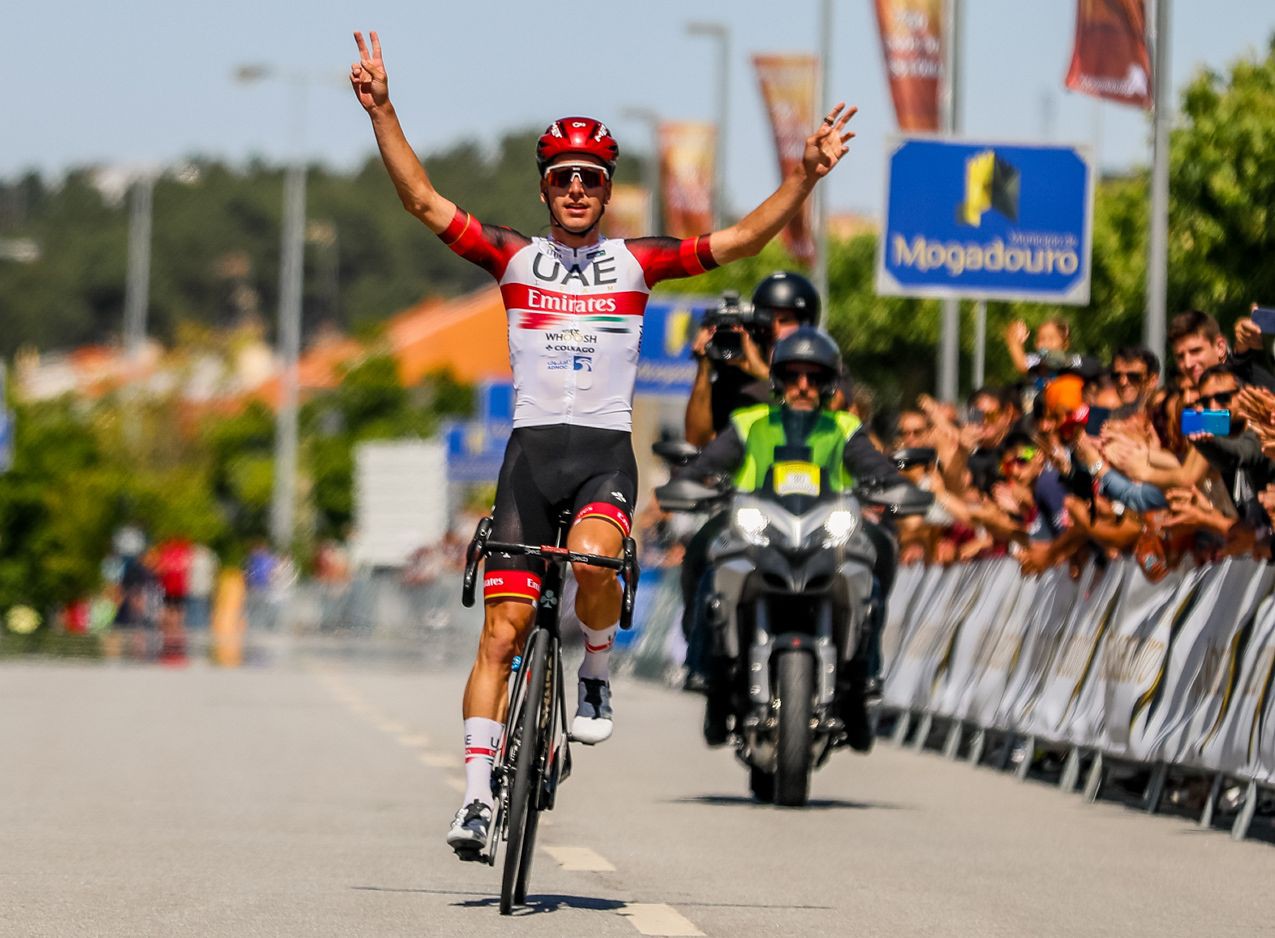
804, 370
575, 301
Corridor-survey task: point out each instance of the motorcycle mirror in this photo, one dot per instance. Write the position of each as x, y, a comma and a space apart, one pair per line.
902, 498
675, 452
685, 495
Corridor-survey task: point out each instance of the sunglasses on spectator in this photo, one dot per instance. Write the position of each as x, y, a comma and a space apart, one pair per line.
562, 175
1222, 398
977, 416
1023, 456
1133, 377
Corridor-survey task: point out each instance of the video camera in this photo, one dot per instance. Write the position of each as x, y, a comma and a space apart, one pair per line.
726, 343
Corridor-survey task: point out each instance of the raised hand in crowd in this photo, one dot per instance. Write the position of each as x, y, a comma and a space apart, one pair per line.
1017, 335
1190, 509
1248, 337
1256, 405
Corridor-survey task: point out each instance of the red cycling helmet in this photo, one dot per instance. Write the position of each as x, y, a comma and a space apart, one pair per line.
582, 136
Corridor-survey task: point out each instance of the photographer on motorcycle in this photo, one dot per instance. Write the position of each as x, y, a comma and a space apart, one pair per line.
733, 350
804, 370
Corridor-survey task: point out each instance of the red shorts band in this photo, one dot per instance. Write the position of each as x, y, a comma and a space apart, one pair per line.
608, 512
501, 585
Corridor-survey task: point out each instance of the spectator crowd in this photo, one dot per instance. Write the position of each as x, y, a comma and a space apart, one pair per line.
1082, 459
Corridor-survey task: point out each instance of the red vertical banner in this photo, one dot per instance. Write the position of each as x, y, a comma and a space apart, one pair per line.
1110, 58
686, 167
912, 43
626, 214
788, 85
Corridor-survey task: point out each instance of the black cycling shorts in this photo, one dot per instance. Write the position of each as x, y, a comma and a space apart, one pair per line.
546, 471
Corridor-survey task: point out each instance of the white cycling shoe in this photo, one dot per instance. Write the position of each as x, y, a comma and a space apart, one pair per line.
593, 721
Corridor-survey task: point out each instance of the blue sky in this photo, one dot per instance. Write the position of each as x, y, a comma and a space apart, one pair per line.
141, 83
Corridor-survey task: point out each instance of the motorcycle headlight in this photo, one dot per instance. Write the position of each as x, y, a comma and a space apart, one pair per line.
838, 528
751, 523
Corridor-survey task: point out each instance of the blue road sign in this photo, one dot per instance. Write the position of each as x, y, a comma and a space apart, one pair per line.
987, 221
665, 365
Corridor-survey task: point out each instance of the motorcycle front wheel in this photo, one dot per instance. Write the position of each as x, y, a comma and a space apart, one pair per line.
795, 688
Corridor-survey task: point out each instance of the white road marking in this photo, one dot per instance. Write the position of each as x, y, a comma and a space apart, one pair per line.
438, 760
393, 727
456, 783
651, 918
414, 741
579, 859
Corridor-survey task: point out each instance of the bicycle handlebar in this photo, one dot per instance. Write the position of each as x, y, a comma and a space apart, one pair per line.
481, 547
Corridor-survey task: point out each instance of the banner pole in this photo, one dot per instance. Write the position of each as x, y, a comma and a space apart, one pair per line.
1158, 227
821, 105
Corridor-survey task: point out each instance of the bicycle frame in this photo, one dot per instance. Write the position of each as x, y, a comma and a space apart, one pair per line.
550, 759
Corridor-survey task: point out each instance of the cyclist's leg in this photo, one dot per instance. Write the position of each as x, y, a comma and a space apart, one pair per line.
602, 521
511, 587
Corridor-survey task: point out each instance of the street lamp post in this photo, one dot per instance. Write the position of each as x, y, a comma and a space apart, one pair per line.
721, 34
651, 167
292, 266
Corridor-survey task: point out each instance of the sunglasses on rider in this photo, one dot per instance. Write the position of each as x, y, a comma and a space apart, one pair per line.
590, 176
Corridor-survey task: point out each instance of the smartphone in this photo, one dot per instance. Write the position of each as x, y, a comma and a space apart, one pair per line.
1097, 417
1216, 422
1264, 317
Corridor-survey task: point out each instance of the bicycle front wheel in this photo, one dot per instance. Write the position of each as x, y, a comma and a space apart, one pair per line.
526, 770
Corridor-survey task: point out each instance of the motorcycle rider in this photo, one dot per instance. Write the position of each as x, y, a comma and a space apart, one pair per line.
783, 302
804, 371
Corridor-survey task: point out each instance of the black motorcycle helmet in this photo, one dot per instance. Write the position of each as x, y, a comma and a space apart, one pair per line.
808, 346
784, 290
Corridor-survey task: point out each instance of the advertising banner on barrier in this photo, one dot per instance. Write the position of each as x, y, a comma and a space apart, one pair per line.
1230, 742
1000, 653
1197, 659
957, 674
1055, 594
1181, 671
907, 683
686, 168
1134, 707
986, 221
910, 584
788, 84
1074, 655
1109, 59
912, 43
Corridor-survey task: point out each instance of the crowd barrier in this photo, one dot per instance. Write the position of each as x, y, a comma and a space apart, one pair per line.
1110, 667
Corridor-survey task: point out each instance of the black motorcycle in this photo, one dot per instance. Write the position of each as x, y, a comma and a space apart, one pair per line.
790, 597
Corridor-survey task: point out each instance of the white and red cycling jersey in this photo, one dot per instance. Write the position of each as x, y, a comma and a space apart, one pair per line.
575, 315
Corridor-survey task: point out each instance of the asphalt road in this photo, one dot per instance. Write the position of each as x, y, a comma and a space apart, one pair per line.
312, 800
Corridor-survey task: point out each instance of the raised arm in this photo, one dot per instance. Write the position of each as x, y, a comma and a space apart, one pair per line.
824, 148
415, 191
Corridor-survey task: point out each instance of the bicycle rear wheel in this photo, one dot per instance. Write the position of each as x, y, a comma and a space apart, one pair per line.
524, 787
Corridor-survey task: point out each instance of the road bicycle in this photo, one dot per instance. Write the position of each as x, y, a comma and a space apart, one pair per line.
535, 754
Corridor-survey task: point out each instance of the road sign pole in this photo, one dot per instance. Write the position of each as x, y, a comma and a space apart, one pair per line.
949, 363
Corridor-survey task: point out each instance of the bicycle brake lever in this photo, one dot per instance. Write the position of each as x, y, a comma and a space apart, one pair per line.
630, 573
472, 555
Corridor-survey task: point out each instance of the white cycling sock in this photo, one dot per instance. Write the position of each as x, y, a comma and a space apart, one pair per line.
597, 642
482, 740
597, 652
